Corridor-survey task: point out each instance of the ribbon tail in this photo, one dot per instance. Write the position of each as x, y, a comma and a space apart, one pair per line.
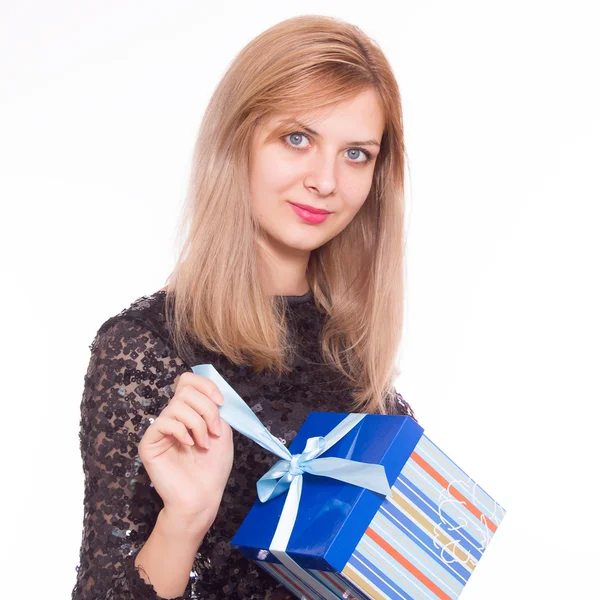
240, 416
274, 482
366, 475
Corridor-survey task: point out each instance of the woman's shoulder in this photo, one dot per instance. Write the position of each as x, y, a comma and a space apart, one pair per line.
147, 311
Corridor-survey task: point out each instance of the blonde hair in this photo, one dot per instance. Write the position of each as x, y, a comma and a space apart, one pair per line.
215, 294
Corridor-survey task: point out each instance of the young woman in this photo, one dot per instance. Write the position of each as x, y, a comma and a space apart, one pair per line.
290, 282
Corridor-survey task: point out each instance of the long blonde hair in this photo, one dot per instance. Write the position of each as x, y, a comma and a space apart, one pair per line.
215, 293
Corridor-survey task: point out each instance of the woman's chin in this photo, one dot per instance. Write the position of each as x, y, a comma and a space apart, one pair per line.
296, 243
304, 245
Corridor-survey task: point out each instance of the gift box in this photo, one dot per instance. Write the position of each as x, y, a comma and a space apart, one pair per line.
363, 507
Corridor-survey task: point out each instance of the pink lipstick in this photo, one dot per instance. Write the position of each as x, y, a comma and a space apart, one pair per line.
310, 214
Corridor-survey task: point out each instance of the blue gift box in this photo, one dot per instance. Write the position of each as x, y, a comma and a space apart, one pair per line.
422, 540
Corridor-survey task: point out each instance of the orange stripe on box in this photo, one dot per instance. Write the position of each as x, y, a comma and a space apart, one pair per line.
407, 565
445, 484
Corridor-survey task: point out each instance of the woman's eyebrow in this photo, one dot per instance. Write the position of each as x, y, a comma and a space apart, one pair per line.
296, 123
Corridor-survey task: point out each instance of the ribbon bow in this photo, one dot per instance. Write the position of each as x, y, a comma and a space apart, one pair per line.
280, 476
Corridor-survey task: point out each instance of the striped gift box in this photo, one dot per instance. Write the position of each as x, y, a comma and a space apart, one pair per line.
423, 541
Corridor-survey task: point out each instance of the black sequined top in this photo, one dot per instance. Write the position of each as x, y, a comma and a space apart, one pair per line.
132, 374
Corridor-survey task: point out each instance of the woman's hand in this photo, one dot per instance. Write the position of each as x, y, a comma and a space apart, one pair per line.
190, 479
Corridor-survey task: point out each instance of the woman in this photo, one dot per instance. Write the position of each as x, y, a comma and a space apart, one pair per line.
289, 282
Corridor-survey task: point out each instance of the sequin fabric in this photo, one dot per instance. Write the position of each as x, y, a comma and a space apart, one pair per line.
132, 374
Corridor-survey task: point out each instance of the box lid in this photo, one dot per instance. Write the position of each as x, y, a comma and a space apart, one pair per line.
332, 515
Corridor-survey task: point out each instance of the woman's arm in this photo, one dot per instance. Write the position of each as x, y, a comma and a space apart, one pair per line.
131, 376
166, 559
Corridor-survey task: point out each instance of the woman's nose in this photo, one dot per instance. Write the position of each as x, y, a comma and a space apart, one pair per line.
322, 173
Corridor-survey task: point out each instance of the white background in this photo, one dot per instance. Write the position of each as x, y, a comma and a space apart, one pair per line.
99, 107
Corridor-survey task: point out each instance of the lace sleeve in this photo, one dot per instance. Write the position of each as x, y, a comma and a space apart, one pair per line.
131, 376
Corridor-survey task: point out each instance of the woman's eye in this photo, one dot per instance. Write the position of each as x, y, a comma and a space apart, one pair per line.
354, 153
295, 139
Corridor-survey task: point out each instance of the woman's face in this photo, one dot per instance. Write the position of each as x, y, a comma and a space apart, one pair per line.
329, 168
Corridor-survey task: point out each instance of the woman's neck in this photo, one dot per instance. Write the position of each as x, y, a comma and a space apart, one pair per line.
283, 274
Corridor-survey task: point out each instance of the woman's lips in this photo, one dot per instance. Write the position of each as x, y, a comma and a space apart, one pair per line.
309, 216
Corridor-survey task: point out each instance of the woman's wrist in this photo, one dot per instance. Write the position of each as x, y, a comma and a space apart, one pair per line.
167, 557
184, 527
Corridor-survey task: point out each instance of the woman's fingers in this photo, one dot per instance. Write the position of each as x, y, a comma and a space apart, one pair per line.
164, 426
194, 407
203, 385
201, 404
185, 414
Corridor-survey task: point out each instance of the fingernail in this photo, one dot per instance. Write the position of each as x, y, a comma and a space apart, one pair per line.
206, 441
218, 398
218, 427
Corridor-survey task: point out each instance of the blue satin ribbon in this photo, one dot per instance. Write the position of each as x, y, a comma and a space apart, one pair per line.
286, 474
